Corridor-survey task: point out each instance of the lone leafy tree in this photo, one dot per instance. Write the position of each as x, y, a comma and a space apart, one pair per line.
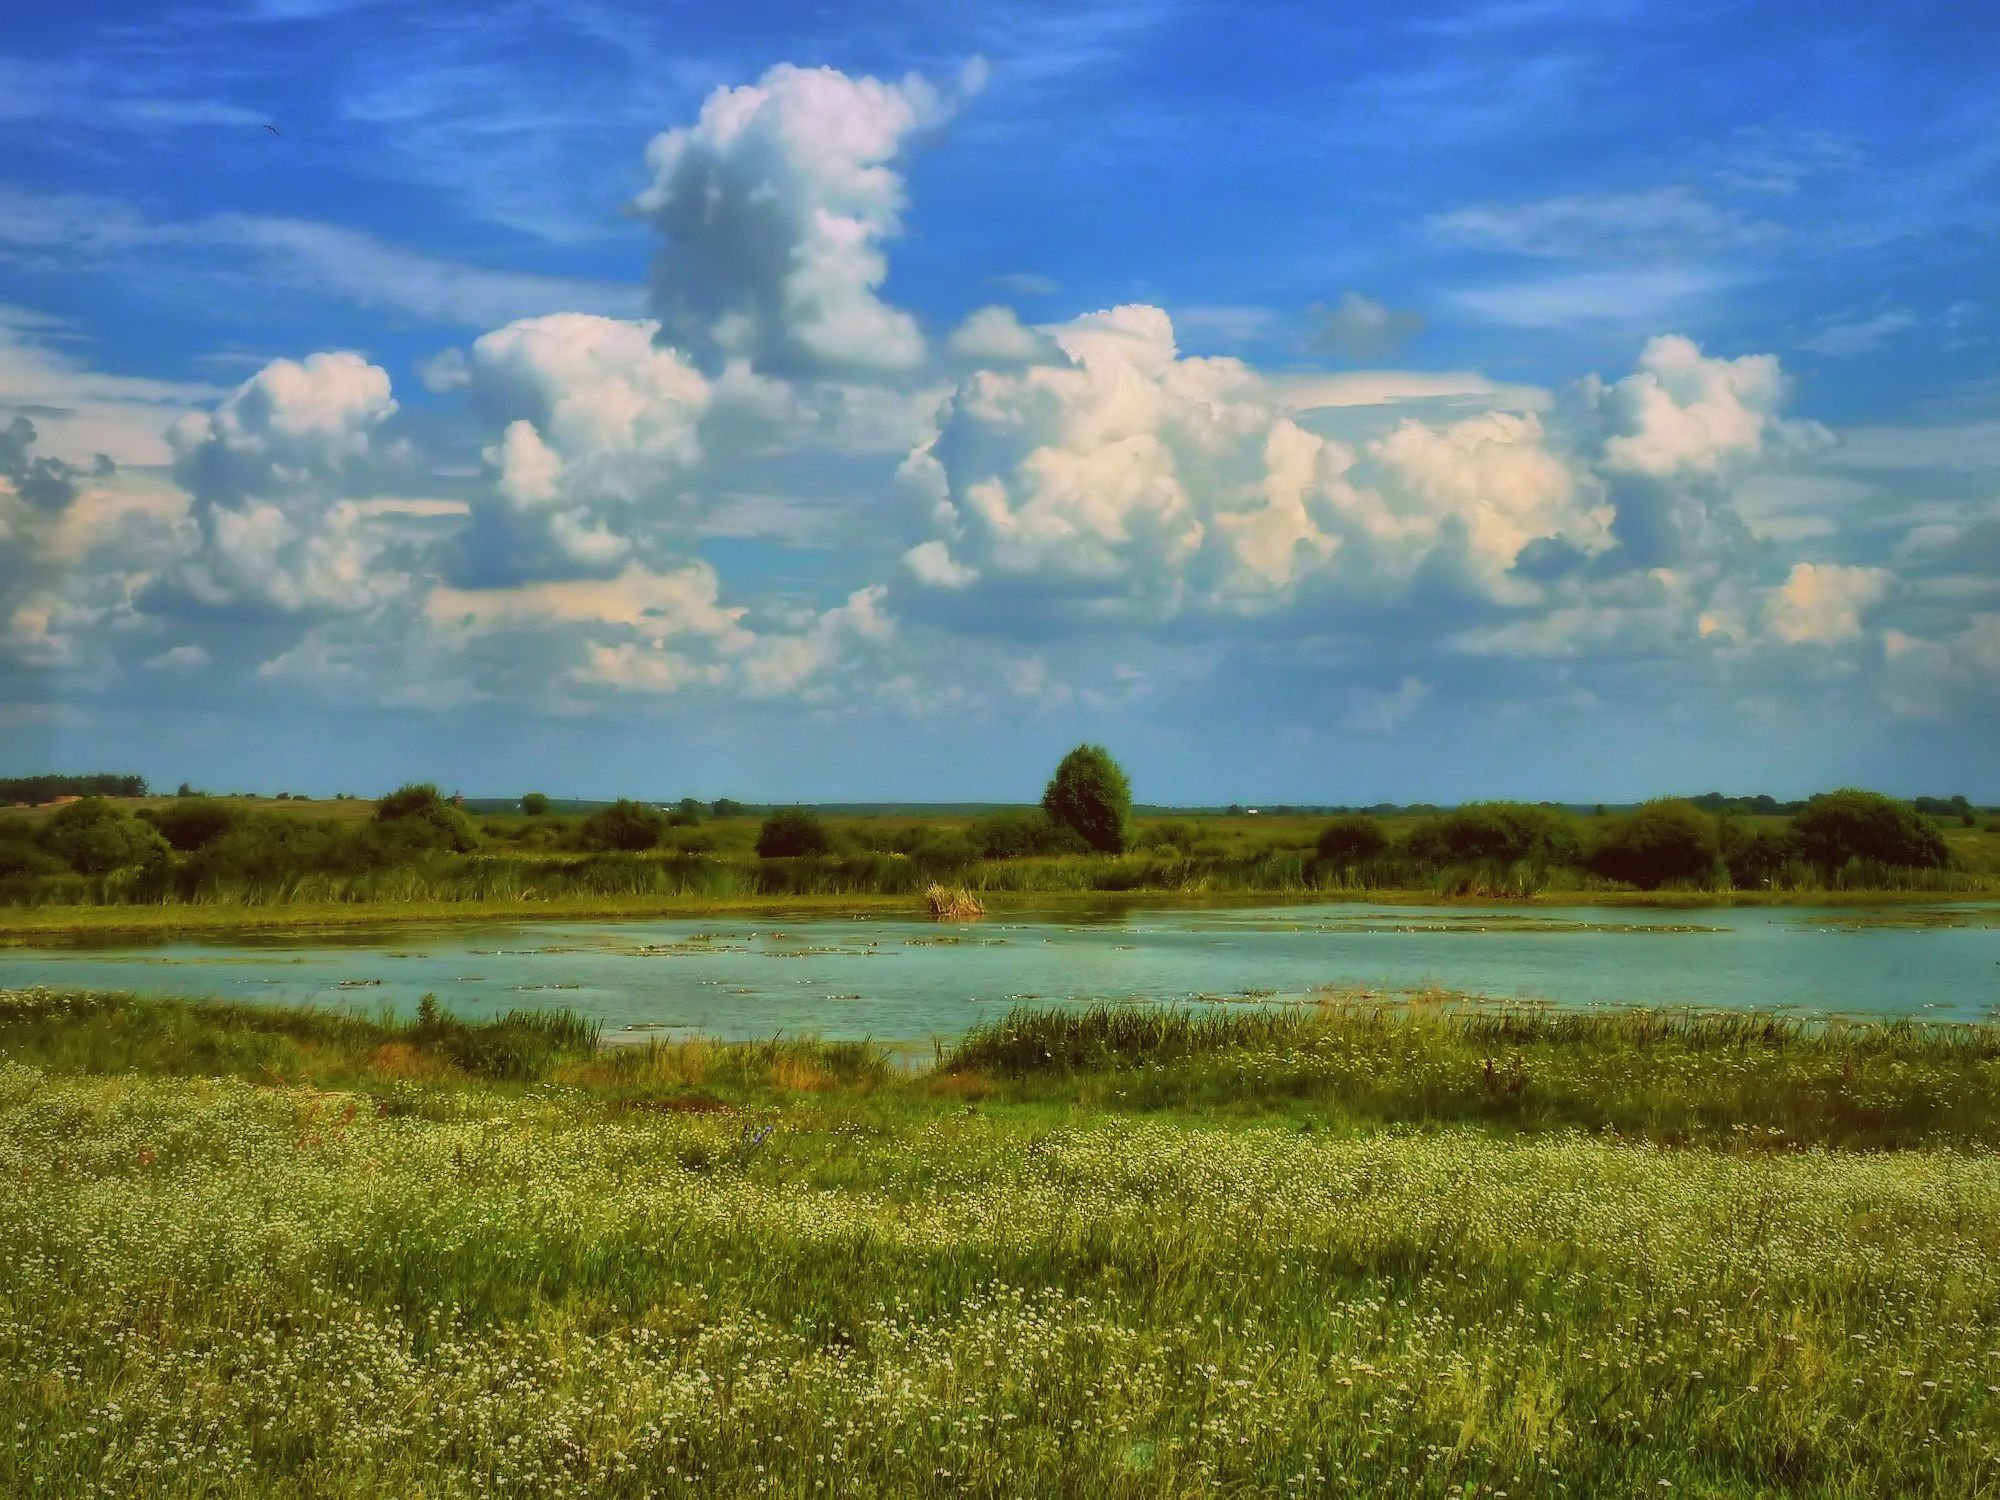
1089, 793
535, 804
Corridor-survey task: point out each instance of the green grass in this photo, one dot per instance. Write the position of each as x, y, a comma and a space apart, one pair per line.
259, 1252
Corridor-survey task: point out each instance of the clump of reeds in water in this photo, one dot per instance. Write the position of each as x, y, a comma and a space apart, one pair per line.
953, 902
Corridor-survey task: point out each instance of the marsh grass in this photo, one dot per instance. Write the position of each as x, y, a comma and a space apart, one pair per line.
1667, 1076
785, 1268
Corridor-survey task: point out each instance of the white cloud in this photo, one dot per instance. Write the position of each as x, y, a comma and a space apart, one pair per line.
1612, 225
1633, 298
1135, 482
601, 424
994, 337
1858, 335
775, 205
1319, 392
1682, 413
270, 470
257, 251
1821, 604
179, 659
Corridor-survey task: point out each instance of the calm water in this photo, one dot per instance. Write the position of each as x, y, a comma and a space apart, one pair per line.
909, 980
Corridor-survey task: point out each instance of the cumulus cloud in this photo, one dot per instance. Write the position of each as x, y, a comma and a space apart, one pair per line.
1821, 604
1132, 481
1677, 432
600, 425
775, 206
268, 471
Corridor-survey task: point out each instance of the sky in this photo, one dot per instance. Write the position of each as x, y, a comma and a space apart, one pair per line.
1310, 403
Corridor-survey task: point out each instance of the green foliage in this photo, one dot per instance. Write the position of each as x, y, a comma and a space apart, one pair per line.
1664, 841
1351, 840
92, 837
1498, 833
727, 807
1755, 857
1018, 833
535, 805
1089, 794
1849, 824
195, 822
624, 825
22, 858
791, 832
418, 802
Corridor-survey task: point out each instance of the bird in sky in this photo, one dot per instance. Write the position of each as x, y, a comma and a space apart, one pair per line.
274, 130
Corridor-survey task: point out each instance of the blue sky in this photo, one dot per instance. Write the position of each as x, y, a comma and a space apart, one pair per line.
1311, 403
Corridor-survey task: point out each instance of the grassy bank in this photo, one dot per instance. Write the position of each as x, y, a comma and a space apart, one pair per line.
1415, 1251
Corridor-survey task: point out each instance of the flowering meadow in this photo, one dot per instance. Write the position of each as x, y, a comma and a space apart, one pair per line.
279, 1254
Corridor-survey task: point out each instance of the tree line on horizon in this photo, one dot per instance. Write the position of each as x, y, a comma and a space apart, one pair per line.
196, 845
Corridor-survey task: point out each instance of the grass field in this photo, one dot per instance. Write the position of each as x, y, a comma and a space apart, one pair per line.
1430, 1250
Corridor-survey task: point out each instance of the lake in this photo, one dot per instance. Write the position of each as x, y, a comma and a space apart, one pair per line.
908, 980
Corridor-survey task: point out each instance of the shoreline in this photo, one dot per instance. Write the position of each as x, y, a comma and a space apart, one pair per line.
34, 925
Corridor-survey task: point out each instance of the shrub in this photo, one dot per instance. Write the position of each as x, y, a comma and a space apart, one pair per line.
535, 805
1019, 833
1089, 793
1351, 840
19, 857
194, 822
1499, 832
623, 825
1668, 839
792, 831
1179, 836
1835, 827
419, 802
92, 837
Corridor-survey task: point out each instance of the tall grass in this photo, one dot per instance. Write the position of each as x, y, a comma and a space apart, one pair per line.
528, 877
1670, 1076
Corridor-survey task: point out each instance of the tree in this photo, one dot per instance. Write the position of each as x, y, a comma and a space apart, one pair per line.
1352, 839
623, 825
93, 837
1089, 793
535, 805
1668, 839
1835, 827
727, 807
792, 831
